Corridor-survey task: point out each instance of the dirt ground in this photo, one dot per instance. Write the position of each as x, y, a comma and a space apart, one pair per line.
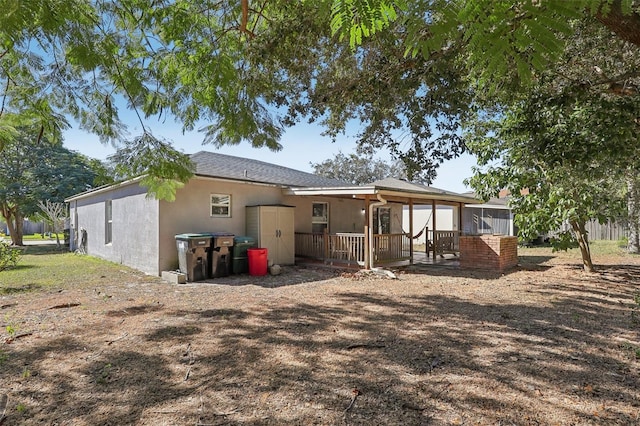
543, 344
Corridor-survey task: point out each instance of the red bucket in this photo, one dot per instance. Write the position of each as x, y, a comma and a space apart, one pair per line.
257, 261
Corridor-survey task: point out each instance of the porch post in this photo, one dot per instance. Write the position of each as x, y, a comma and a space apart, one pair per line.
512, 232
367, 260
433, 222
460, 207
325, 241
410, 231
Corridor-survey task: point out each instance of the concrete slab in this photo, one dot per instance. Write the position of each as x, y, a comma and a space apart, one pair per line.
174, 277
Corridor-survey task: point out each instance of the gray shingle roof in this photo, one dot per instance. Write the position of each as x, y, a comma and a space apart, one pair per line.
244, 169
393, 183
497, 202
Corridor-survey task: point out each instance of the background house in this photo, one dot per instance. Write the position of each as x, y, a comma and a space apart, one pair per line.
29, 227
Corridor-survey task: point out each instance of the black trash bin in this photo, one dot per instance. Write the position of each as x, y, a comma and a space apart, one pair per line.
193, 255
240, 263
221, 243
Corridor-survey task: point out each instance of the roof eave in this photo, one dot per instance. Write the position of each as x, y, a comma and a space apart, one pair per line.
373, 190
102, 189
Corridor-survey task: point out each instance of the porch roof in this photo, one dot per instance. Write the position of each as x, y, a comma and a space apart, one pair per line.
391, 189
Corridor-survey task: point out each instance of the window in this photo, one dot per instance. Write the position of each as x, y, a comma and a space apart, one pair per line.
320, 218
382, 220
220, 205
108, 222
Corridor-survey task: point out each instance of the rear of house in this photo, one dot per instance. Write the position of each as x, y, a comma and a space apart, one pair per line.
326, 219
122, 224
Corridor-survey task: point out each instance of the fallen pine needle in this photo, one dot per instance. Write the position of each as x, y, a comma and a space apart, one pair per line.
366, 345
65, 305
355, 393
119, 338
17, 336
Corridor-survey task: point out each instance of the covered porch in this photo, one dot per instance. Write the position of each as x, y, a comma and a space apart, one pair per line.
375, 245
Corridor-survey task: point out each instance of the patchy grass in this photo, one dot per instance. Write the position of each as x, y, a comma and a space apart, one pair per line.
37, 237
599, 248
45, 267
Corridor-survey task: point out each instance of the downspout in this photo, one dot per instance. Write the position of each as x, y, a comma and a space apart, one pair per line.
381, 202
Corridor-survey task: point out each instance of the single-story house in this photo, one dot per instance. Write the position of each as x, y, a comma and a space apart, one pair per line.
293, 214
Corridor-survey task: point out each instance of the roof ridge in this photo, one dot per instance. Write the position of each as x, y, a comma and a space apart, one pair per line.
234, 167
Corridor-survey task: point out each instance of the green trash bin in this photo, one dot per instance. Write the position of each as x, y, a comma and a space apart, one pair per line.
240, 259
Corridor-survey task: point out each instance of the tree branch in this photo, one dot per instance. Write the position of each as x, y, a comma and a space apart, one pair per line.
4, 96
627, 27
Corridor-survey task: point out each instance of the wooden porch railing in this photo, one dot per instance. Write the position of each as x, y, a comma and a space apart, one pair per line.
447, 242
349, 247
342, 247
310, 245
391, 247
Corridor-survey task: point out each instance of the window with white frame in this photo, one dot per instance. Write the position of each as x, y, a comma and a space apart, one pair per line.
320, 218
220, 205
108, 222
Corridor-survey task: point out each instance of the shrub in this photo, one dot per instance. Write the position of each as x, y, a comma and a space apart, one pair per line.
9, 256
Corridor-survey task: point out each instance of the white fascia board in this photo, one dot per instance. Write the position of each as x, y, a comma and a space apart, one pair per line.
102, 189
356, 190
488, 206
424, 195
372, 190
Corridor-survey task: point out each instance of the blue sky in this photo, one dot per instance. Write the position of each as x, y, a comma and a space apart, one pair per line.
302, 145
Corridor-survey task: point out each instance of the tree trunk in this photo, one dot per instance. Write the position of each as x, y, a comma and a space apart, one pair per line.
633, 209
583, 242
56, 230
15, 229
17, 232
14, 223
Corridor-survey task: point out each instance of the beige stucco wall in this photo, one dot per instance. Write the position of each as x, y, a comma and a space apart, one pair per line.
345, 215
190, 212
396, 219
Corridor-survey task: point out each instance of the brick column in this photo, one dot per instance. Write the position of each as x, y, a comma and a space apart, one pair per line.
494, 252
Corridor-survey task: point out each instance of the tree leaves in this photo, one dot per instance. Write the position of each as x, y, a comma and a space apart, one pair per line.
358, 169
563, 149
361, 19
163, 169
33, 170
